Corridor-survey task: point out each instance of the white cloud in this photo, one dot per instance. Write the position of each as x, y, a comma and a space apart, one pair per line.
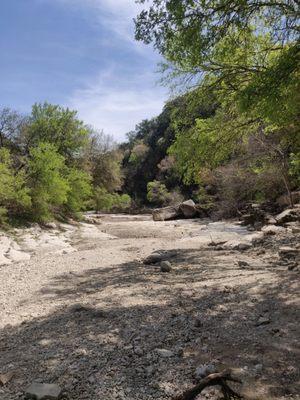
118, 97
116, 104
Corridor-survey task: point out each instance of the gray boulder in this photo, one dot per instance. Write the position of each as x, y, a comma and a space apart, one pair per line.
289, 215
153, 258
188, 208
165, 266
43, 391
166, 213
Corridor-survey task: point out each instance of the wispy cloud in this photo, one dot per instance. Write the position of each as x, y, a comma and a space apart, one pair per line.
116, 103
123, 92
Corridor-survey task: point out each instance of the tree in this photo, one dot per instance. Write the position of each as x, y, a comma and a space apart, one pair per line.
247, 54
49, 187
57, 125
103, 160
105, 201
80, 190
186, 32
11, 124
14, 195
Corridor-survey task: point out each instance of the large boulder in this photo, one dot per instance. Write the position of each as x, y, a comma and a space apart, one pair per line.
166, 213
188, 208
289, 215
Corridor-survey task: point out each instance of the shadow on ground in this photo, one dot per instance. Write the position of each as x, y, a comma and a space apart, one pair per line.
106, 348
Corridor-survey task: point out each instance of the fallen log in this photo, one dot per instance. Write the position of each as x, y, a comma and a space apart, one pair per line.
218, 378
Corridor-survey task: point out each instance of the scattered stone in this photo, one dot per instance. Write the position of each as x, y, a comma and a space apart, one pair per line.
236, 245
272, 229
289, 215
138, 351
165, 266
165, 353
263, 321
198, 322
258, 369
287, 253
50, 225
5, 378
150, 370
203, 370
215, 244
154, 258
270, 220
242, 263
43, 391
293, 266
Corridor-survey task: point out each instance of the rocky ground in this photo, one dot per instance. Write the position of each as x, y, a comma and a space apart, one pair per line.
81, 309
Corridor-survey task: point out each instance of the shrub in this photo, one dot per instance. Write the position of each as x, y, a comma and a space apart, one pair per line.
49, 187
14, 195
157, 193
105, 201
80, 190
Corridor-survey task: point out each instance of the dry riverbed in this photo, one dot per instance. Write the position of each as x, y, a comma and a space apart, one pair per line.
80, 309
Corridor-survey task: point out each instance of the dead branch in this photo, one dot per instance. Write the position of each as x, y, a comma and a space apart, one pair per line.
218, 378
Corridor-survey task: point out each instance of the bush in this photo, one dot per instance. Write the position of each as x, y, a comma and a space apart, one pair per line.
80, 190
14, 195
49, 187
157, 193
105, 201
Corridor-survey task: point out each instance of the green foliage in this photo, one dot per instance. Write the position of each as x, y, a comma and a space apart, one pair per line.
14, 195
295, 167
157, 193
59, 126
138, 153
186, 32
80, 190
49, 187
103, 161
105, 201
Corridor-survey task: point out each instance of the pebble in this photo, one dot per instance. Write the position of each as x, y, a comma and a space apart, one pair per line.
263, 321
165, 353
43, 391
203, 370
165, 266
242, 263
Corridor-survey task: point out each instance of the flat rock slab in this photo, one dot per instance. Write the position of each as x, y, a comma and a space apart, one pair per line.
43, 391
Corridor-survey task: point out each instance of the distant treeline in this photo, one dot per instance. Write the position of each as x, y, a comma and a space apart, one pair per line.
52, 165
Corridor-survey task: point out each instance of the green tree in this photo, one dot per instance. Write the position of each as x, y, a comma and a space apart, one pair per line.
80, 190
14, 195
186, 32
105, 201
49, 186
103, 160
57, 125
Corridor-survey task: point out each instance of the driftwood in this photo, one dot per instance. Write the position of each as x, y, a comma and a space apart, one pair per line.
218, 378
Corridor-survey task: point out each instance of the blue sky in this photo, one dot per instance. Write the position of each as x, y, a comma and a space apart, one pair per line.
80, 54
